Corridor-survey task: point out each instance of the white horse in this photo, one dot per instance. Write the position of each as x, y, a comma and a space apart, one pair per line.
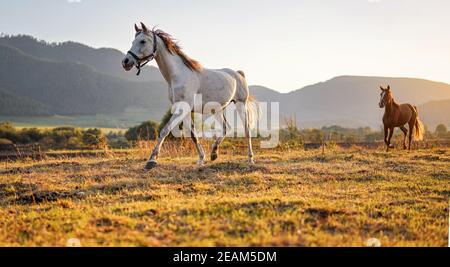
187, 78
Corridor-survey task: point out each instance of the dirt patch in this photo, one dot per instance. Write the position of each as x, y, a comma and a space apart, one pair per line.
45, 167
235, 166
40, 196
428, 158
17, 188
323, 213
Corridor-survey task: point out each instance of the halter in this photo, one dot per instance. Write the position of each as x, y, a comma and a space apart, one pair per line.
145, 59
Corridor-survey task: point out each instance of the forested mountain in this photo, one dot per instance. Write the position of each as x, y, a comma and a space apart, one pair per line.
105, 60
69, 88
13, 105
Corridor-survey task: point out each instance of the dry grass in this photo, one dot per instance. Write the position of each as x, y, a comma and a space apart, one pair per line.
291, 197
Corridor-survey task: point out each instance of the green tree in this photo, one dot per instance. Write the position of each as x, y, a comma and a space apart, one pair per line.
441, 130
145, 131
31, 135
66, 137
93, 138
7, 131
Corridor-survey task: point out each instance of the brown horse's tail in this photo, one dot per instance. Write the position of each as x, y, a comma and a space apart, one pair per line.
419, 129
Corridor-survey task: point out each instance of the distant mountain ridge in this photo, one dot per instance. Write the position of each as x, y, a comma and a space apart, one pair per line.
105, 60
435, 112
39, 78
350, 101
69, 88
11, 104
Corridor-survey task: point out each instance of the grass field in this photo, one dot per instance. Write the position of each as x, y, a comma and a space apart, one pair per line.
290, 197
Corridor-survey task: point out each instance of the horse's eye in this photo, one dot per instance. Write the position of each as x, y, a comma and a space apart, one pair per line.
142, 42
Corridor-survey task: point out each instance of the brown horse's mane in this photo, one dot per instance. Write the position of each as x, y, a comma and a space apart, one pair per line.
173, 48
391, 99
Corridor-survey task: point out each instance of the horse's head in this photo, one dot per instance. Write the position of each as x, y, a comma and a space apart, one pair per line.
143, 49
385, 96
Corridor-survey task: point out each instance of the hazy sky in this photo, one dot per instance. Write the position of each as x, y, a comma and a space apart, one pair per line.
281, 44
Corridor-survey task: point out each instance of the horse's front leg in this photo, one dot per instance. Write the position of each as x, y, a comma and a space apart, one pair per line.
391, 132
198, 146
215, 146
386, 133
405, 133
175, 120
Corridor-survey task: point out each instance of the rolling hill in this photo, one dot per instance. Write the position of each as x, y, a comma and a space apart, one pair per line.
435, 112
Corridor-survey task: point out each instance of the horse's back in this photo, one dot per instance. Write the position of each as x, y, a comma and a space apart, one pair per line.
238, 77
405, 113
217, 86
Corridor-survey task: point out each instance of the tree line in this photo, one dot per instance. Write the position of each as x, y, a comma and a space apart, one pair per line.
75, 138
56, 138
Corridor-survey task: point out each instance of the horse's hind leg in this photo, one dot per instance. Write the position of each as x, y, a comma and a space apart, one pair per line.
386, 133
198, 146
215, 146
411, 130
405, 132
243, 113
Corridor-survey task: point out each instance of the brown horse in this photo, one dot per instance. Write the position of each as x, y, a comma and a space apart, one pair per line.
397, 115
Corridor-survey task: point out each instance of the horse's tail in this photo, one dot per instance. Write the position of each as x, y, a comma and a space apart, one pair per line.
419, 129
253, 109
241, 73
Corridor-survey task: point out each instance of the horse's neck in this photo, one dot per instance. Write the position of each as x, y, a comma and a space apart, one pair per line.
391, 106
171, 66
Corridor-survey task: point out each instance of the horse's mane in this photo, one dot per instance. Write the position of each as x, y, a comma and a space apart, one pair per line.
391, 98
174, 48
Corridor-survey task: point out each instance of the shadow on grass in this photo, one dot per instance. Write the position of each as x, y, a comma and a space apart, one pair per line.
71, 166
27, 194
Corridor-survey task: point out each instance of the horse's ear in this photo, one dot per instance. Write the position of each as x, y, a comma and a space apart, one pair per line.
381, 87
144, 28
389, 88
136, 28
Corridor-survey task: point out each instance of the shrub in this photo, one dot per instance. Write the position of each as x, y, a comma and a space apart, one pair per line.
7, 131
145, 131
441, 131
93, 138
66, 137
31, 135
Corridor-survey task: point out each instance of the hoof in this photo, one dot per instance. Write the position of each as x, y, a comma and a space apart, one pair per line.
150, 165
200, 162
213, 157
251, 161
391, 146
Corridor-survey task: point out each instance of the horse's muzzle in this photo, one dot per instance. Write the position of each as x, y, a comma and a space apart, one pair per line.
127, 64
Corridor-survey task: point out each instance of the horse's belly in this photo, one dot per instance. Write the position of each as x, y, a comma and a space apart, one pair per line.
220, 90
